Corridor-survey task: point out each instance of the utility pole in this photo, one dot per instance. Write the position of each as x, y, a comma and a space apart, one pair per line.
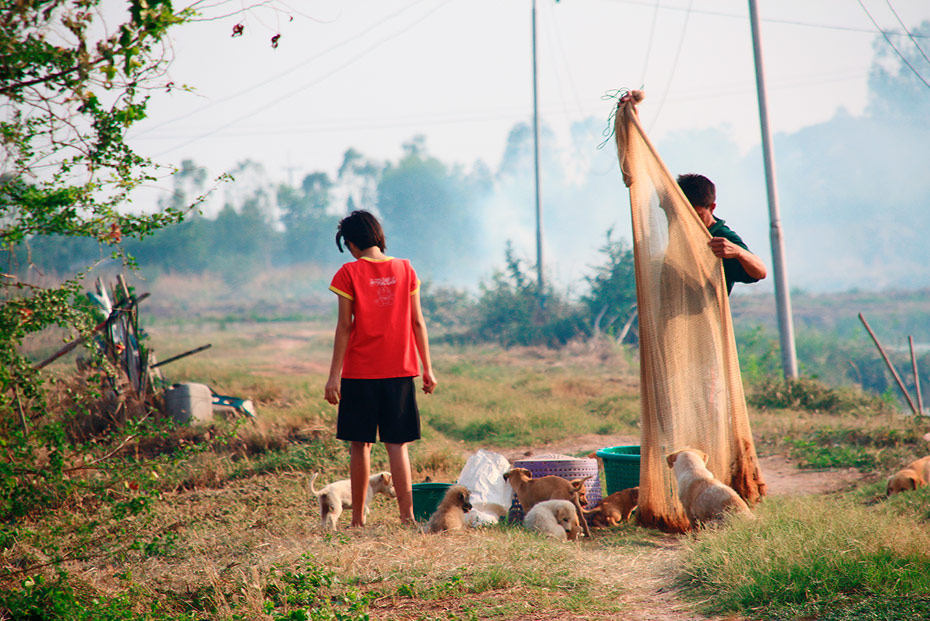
539, 252
789, 358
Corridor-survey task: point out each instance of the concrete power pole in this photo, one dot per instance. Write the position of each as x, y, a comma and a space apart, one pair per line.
789, 358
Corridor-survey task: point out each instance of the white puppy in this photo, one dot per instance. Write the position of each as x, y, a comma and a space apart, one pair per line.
338, 496
703, 497
556, 518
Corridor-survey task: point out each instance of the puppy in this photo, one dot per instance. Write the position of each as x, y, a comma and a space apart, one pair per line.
917, 474
337, 496
531, 491
614, 509
555, 518
703, 497
450, 514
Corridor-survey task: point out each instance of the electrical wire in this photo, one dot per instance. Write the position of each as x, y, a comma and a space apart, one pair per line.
894, 47
671, 75
302, 65
652, 32
313, 82
909, 35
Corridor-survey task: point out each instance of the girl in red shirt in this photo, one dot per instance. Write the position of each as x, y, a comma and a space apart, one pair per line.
379, 332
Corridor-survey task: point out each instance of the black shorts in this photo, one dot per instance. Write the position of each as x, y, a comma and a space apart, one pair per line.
387, 406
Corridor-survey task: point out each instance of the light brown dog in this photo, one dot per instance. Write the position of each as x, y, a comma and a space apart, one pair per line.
704, 498
531, 491
614, 509
337, 496
450, 514
555, 518
916, 474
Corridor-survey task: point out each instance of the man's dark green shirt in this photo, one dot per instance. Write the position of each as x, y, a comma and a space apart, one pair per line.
733, 270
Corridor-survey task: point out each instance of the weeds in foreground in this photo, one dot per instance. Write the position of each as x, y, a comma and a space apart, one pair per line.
808, 556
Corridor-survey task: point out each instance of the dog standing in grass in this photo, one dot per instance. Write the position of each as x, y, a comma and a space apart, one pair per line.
704, 498
450, 514
337, 496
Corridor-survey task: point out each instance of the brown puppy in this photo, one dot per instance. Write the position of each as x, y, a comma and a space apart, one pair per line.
614, 509
703, 497
450, 515
531, 491
917, 474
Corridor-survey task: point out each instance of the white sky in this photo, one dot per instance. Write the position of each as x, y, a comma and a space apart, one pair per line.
370, 74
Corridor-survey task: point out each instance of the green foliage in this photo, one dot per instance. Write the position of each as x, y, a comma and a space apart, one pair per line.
814, 396
612, 294
511, 310
807, 556
865, 449
312, 593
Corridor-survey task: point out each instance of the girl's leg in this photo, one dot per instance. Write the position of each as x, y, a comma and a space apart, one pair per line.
359, 473
401, 476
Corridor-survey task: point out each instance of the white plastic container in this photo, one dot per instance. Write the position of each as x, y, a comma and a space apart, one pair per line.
189, 403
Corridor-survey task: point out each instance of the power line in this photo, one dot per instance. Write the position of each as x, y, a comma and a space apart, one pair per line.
894, 47
671, 75
307, 85
909, 35
299, 66
771, 20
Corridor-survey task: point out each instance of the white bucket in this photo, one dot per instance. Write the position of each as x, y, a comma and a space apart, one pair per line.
189, 403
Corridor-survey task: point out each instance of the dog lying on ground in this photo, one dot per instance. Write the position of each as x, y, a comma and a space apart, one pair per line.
337, 496
916, 474
450, 514
556, 518
531, 491
614, 509
704, 498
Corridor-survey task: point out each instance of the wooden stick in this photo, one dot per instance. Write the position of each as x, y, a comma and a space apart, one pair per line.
920, 400
100, 326
890, 366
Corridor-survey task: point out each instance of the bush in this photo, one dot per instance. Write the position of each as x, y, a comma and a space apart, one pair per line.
813, 396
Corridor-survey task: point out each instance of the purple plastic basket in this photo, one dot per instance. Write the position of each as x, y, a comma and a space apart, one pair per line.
563, 466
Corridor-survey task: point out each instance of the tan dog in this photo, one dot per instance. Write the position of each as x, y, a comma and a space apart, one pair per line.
555, 518
917, 474
531, 491
614, 509
703, 497
337, 496
450, 514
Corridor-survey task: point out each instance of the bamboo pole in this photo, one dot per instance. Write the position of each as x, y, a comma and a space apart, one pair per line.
890, 366
920, 399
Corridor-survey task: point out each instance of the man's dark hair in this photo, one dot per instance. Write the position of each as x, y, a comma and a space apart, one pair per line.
362, 229
698, 189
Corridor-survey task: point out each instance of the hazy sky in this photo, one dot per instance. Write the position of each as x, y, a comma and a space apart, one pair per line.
370, 74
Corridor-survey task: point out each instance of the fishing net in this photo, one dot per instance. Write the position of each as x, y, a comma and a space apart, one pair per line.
692, 393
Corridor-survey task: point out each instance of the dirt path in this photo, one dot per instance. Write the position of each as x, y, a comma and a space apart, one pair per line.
651, 594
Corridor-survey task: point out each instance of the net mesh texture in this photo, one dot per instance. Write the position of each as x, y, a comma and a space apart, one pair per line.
691, 389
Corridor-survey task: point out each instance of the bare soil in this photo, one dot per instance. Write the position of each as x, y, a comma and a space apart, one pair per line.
651, 593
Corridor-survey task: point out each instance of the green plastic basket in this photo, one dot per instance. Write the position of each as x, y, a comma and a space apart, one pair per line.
621, 467
426, 497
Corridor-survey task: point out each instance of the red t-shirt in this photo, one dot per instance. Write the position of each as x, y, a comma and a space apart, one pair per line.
381, 344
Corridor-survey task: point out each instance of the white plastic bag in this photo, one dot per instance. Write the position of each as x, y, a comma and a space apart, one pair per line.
483, 475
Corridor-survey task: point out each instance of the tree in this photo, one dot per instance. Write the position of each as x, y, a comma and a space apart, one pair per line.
898, 77
430, 212
612, 293
70, 87
309, 230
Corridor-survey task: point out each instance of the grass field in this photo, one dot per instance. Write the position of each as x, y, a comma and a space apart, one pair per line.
231, 532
